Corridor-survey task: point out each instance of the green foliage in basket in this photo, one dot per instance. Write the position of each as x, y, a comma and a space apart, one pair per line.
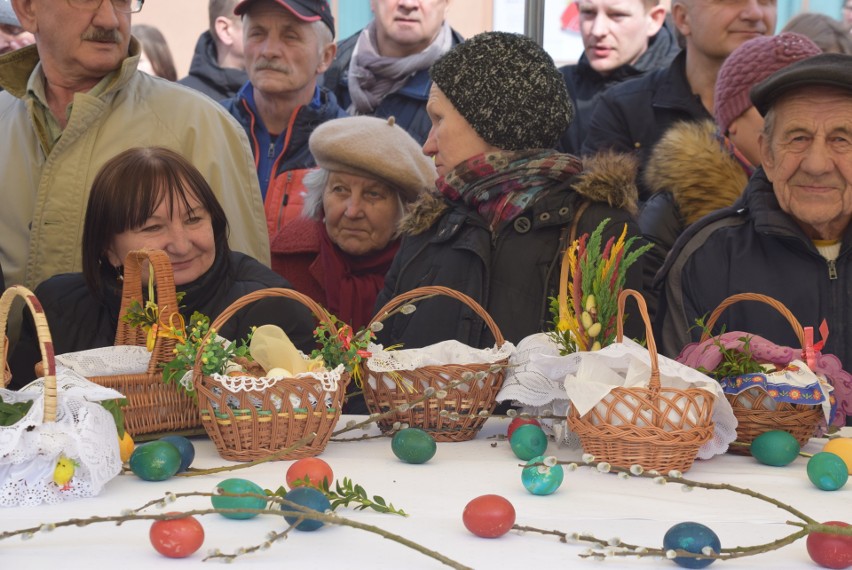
12, 412
114, 407
735, 362
593, 274
149, 317
215, 352
343, 347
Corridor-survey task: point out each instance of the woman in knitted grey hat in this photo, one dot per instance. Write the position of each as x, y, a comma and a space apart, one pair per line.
370, 172
507, 203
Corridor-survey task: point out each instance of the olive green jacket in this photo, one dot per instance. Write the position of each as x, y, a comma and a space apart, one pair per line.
43, 196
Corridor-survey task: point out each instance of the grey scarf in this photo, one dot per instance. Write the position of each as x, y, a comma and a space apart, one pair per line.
373, 76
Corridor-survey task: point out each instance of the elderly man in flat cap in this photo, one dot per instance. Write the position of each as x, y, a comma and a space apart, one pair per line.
789, 236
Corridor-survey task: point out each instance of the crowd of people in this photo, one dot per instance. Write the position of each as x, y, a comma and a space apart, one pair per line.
357, 169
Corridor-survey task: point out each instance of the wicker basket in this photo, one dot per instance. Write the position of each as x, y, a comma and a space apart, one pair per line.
754, 409
250, 425
455, 417
45, 343
153, 408
656, 427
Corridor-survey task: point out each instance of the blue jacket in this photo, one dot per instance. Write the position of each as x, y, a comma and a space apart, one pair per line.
407, 106
282, 161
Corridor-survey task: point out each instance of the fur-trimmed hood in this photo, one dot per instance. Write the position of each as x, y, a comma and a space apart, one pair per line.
700, 173
607, 177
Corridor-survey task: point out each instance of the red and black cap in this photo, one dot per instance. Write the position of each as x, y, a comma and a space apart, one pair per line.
305, 10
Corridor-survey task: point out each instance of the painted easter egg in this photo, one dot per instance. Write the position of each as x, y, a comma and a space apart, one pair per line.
413, 445
489, 516
827, 471
155, 461
691, 537
309, 498
238, 486
528, 441
541, 479
777, 448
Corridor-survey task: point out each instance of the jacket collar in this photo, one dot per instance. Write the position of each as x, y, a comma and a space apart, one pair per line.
17, 66
673, 90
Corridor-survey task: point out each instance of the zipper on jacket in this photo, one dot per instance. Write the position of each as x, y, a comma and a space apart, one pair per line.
270, 154
285, 199
832, 269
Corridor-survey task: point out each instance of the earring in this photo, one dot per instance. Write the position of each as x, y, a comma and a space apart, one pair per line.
119, 273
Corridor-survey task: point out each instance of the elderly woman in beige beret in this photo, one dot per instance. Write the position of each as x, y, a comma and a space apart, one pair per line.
370, 172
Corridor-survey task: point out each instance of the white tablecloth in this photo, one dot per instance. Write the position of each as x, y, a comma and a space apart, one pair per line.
434, 494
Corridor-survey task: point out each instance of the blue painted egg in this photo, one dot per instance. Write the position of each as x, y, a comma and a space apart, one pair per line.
413, 445
691, 537
528, 441
777, 448
310, 498
186, 449
540, 479
827, 471
238, 486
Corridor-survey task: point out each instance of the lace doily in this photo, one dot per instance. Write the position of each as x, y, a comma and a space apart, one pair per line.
83, 431
107, 361
539, 377
327, 379
440, 354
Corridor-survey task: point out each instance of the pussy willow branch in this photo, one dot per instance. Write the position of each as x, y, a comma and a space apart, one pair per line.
619, 548
292, 510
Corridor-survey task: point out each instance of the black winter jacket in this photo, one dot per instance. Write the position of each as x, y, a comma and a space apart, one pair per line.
632, 116
79, 321
206, 76
510, 273
407, 106
753, 246
585, 85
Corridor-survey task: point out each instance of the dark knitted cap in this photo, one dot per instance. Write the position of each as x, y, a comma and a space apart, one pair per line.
508, 88
751, 63
829, 69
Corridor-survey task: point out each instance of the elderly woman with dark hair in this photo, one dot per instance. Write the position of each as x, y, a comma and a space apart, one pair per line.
508, 205
154, 198
370, 173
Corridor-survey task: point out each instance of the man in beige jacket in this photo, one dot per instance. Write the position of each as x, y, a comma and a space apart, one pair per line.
75, 99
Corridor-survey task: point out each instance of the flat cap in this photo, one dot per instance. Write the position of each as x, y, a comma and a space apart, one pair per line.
829, 69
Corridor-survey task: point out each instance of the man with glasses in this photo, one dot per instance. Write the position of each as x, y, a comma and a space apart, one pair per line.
75, 99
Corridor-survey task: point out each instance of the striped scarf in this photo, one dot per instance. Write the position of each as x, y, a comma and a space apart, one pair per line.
501, 185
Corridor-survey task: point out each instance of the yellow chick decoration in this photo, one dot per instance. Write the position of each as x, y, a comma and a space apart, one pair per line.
64, 472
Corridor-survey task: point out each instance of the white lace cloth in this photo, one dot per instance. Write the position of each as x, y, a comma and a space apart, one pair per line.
83, 431
540, 380
327, 379
439, 354
107, 361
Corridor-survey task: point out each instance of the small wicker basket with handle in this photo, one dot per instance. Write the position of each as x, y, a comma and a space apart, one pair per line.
461, 413
656, 427
154, 407
248, 424
756, 411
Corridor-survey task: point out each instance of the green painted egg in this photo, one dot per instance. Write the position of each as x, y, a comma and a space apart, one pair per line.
827, 471
528, 441
777, 448
413, 445
155, 461
237, 486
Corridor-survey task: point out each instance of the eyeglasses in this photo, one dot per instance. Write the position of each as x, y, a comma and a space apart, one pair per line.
124, 6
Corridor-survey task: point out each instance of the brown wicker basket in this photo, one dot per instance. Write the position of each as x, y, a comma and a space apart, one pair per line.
455, 417
655, 427
154, 408
250, 425
45, 343
754, 409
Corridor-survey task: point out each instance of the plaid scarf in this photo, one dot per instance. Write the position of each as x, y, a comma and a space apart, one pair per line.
500, 185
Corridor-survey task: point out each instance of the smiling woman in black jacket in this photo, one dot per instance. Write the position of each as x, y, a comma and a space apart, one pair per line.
153, 198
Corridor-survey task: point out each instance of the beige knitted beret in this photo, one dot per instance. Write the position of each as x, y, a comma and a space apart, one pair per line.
374, 148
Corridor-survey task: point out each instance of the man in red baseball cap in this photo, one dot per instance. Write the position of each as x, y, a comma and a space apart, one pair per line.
305, 10
287, 45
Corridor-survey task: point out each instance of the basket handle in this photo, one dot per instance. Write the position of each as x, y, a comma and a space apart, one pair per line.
133, 290
431, 291
654, 382
45, 342
774, 303
249, 298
